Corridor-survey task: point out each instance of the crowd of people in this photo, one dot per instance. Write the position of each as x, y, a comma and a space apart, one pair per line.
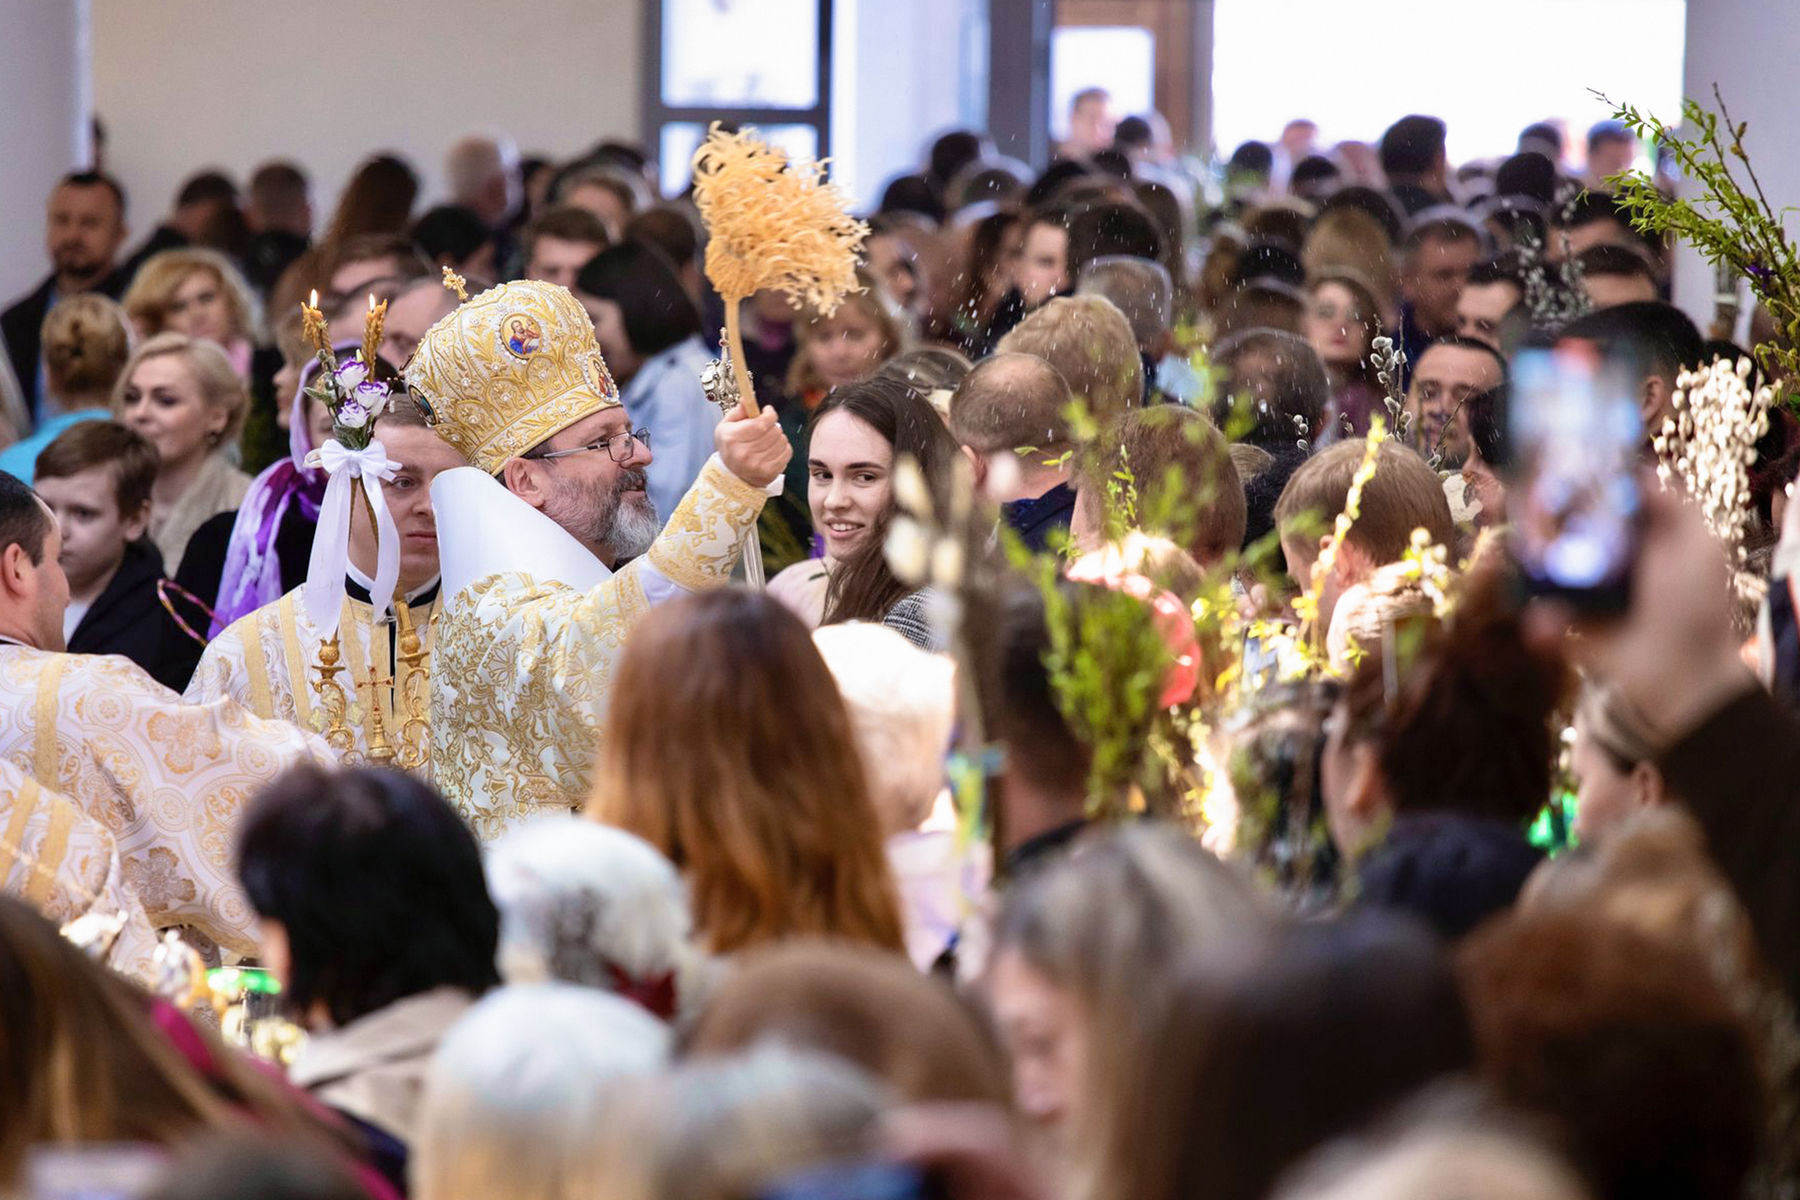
1144, 774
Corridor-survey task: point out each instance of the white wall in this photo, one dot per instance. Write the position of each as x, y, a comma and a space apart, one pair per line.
43, 92
1746, 47
185, 84
901, 76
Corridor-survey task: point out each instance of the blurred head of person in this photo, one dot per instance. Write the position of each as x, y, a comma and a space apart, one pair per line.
183, 397
84, 229
453, 236
1447, 373
1252, 1055
90, 1059
87, 342
1625, 1043
1141, 289
34, 592
1073, 947
1403, 495
847, 345
279, 200
1436, 258
1091, 345
96, 478
520, 1086
559, 241
1092, 121
360, 263
1612, 149
1452, 1140
902, 704
1187, 488
1010, 415
1659, 342
593, 905
1275, 388
724, 1127
1616, 275
1343, 317
1436, 828
414, 309
378, 199
1493, 293
482, 171
611, 194
1413, 153
369, 890
868, 1007
1614, 763
193, 292
638, 305
1042, 267
743, 769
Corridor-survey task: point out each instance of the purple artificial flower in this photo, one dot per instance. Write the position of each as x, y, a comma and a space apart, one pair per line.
350, 374
371, 396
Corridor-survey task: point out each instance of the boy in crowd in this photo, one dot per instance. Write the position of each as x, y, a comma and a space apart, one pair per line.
96, 478
1403, 495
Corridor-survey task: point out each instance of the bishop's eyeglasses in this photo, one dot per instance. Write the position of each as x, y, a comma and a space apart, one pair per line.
618, 445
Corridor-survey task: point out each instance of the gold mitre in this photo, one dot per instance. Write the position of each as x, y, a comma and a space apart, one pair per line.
509, 369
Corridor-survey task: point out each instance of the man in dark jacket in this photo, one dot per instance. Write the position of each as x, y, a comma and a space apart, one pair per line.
83, 233
96, 478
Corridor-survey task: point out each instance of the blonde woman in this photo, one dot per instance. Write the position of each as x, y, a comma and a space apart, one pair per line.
182, 395
198, 293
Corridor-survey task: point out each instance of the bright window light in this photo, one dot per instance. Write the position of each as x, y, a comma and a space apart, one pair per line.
1119, 58
1355, 66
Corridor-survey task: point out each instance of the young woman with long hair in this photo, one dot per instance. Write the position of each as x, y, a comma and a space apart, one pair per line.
729, 749
859, 434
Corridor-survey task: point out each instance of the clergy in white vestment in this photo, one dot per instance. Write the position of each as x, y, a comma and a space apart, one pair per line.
273, 661
166, 780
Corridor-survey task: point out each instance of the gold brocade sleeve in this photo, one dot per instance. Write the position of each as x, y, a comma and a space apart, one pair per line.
66, 865
522, 670
168, 780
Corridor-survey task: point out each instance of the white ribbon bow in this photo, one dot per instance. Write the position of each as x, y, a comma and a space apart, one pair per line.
324, 590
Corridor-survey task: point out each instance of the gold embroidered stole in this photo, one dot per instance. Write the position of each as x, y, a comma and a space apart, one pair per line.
367, 698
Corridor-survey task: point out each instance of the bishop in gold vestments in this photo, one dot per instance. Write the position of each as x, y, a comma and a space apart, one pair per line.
524, 659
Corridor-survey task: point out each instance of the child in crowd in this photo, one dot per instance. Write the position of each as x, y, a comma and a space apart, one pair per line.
96, 478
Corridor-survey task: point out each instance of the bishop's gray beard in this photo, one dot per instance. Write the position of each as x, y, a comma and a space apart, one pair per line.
622, 518
634, 525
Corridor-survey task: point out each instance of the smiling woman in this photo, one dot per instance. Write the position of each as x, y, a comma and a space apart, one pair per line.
858, 434
183, 397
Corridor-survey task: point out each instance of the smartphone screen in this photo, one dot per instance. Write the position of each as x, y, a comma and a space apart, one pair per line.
855, 1181
1575, 502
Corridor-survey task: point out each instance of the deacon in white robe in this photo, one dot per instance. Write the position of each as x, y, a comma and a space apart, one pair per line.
272, 660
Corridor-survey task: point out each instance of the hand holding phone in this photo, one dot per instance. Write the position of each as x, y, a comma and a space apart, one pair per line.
1576, 499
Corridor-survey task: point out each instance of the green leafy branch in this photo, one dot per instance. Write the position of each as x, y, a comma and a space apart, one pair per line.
1731, 223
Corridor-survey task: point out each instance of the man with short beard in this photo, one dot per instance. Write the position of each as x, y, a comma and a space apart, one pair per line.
84, 232
524, 658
